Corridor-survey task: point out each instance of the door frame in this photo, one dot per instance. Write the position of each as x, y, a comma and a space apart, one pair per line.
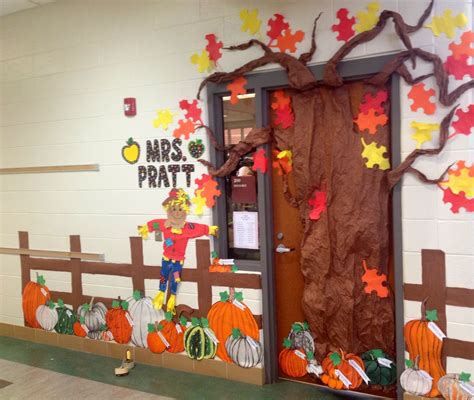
261, 83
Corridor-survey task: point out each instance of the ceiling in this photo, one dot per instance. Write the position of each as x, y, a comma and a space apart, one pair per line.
12, 6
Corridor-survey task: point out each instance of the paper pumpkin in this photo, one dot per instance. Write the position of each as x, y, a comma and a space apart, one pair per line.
102, 334
276, 26
131, 152
423, 343
375, 155
447, 23
155, 338
243, 350
173, 333
250, 21
421, 98
119, 321
366, 20
453, 386
292, 360
344, 28
197, 341
301, 337
34, 295
93, 314
340, 361
236, 88
287, 41
46, 316
378, 373
80, 328
66, 319
230, 313
416, 381
374, 281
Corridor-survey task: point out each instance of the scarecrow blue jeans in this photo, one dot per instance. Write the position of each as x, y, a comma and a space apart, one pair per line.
174, 268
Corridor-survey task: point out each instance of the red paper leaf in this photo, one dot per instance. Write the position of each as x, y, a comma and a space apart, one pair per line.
464, 47
421, 98
236, 87
344, 27
374, 102
282, 165
214, 47
260, 161
201, 181
374, 281
459, 67
277, 25
370, 121
465, 121
192, 110
284, 117
186, 127
287, 41
317, 204
281, 100
458, 201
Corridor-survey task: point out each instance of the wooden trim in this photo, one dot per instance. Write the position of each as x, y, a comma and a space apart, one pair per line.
458, 348
459, 297
51, 168
52, 253
76, 274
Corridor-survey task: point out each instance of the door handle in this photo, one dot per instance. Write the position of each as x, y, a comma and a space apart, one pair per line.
282, 249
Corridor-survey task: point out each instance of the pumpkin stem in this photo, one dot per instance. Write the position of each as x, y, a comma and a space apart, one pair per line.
342, 354
156, 326
231, 294
91, 303
417, 359
423, 308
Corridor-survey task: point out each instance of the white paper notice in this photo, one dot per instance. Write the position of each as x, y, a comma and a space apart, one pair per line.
245, 230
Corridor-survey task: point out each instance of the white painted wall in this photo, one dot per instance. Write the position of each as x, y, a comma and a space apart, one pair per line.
65, 68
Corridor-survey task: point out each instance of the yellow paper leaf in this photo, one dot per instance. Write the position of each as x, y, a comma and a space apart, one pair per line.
286, 154
423, 132
447, 23
202, 61
366, 20
250, 21
199, 202
164, 119
461, 180
375, 155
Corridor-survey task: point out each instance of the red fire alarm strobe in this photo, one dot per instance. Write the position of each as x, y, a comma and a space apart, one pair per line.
130, 106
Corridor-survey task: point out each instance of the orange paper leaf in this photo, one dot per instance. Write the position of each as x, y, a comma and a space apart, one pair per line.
281, 100
421, 98
287, 41
210, 192
464, 47
374, 281
370, 121
236, 87
186, 127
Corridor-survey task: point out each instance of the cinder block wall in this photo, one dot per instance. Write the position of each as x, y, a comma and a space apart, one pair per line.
67, 65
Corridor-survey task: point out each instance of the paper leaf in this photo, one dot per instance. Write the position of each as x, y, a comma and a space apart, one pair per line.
224, 296
103, 327
260, 161
40, 280
195, 321
209, 192
345, 26
409, 363
458, 201
459, 67
236, 333
464, 47
306, 326
282, 162
309, 355
168, 316
335, 358
183, 321
374, 102
287, 41
214, 254
239, 296
186, 128
447, 23
236, 87
82, 320
465, 121
192, 110
213, 47
250, 21
115, 304
375, 155
287, 343
432, 315
421, 98
464, 377
370, 121
124, 305
423, 132
202, 61
204, 322
377, 353
280, 100
151, 328
284, 117
51, 304
199, 202
164, 119
201, 181
366, 20
317, 204
276, 26
234, 268
137, 295
296, 328
460, 179
374, 281
86, 307
160, 327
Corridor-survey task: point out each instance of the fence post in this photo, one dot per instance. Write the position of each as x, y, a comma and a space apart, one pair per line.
138, 276
76, 273
24, 260
203, 252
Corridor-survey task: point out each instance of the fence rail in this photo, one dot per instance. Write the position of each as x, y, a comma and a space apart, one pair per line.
434, 288
137, 271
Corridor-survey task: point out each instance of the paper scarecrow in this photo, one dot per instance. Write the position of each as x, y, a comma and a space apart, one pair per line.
176, 232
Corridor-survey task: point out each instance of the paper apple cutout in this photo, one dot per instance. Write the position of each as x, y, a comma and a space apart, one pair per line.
131, 152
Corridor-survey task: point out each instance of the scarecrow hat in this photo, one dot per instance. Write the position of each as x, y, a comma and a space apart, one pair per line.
177, 196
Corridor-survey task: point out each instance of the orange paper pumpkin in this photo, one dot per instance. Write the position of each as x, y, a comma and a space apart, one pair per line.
292, 361
34, 295
119, 321
229, 313
78, 328
340, 361
173, 333
155, 337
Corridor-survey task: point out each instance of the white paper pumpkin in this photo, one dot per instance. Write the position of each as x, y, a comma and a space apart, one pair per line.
142, 313
94, 314
244, 351
454, 387
47, 316
301, 337
416, 381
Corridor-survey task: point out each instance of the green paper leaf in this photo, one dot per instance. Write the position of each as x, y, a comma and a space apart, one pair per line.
409, 363
151, 328
464, 377
239, 296
115, 304
195, 321
204, 323
40, 280
309, 355
82, 320
124, 305
168, 316
51, 304
377, 353
236, 333
198, 141
137, 295
183, 321
160, 327
287, 343
156, 225
103, 327
130, 141
432, 315
214, 254
234, 268
306, 326
86, 307
335, 358
224, 296
296, 328
60, 303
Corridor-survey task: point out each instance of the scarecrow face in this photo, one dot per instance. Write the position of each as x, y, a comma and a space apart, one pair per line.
176, 213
